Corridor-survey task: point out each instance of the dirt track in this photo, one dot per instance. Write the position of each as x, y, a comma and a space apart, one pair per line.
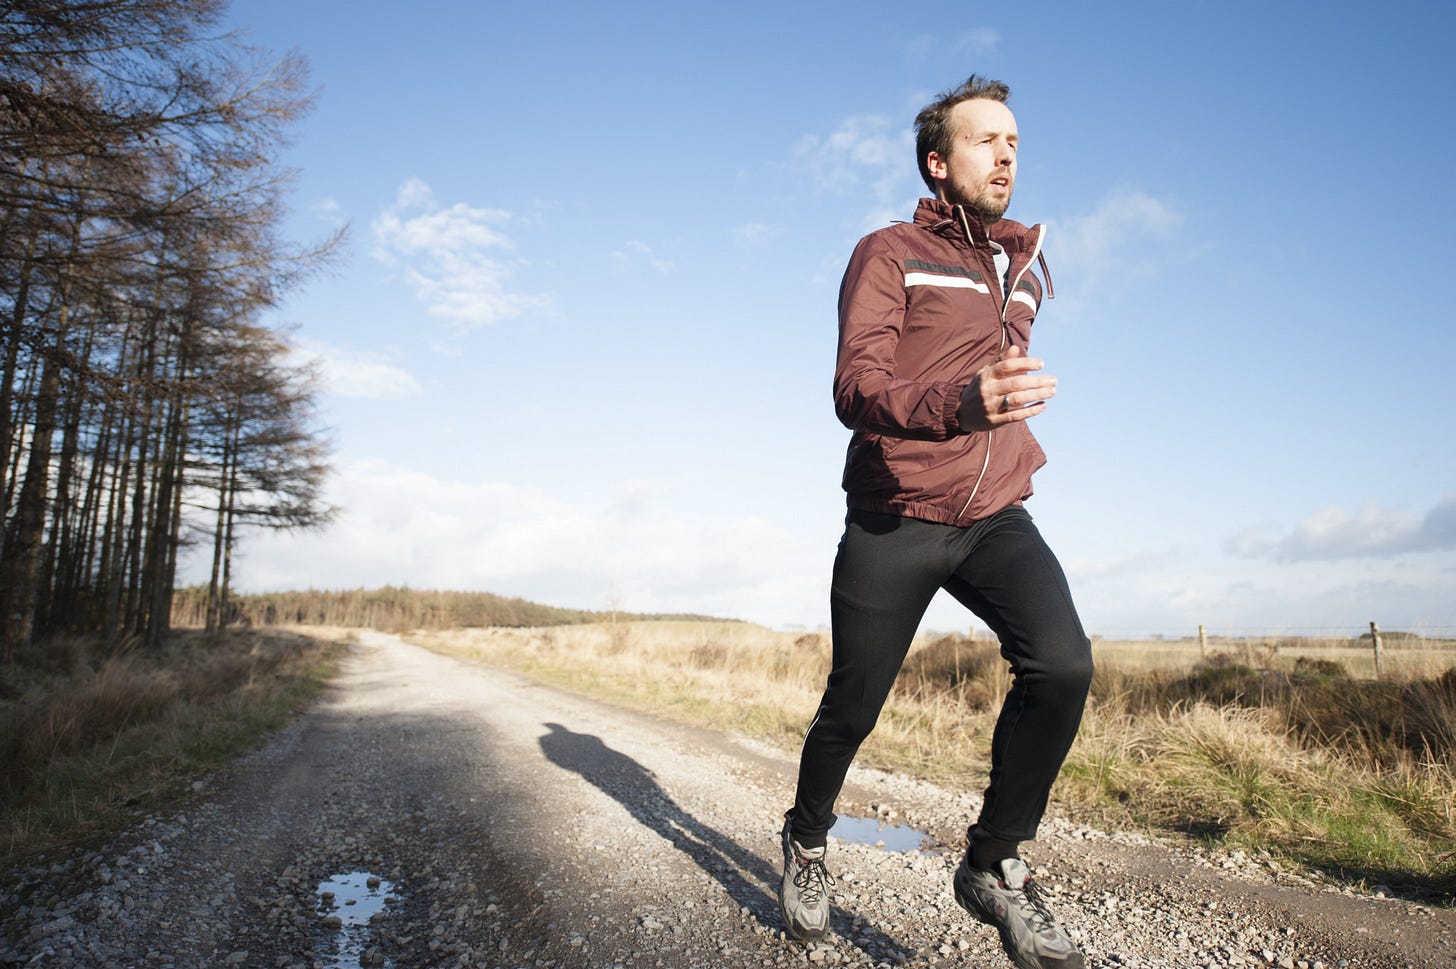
515, 825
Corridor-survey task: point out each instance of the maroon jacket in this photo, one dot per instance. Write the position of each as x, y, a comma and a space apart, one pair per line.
920, 311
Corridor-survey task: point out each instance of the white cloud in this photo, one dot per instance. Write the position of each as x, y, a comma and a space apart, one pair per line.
1334, 533
634, 251
358, 374
328, 210
753, 233
634, 547
1106, 235
867, 152
631, 547
446, 254
979, 41
1173, 593
1129, 238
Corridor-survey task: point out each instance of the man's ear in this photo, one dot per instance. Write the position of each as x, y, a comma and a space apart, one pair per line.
936, 165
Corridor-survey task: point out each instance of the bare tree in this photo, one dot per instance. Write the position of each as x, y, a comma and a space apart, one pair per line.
140, 200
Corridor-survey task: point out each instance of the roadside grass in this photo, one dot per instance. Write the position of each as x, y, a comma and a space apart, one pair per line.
89, 741
1266, 746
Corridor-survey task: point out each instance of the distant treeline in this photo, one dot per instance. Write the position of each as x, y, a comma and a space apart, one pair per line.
393, 609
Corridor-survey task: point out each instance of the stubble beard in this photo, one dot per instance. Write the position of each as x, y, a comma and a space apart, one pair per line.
989, 207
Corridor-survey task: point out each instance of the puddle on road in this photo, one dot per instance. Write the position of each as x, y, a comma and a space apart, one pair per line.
353, 899
880, 834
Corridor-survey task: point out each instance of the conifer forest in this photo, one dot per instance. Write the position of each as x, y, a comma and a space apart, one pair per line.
145, 407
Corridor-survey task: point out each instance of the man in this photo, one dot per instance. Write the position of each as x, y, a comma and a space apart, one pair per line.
934, 379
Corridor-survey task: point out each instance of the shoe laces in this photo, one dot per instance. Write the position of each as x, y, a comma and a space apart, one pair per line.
811, 878
1040, 916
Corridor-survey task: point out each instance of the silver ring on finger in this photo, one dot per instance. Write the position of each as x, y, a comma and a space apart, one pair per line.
1006, 402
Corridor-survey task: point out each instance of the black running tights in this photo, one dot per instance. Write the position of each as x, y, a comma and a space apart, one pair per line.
886, 572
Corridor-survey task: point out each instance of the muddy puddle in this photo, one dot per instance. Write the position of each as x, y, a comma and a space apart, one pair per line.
347, 905
878, 833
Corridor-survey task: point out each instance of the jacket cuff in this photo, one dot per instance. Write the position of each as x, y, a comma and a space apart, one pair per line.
950, 411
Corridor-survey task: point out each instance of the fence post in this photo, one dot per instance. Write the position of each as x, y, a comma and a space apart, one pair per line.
1379, 648
1202, 642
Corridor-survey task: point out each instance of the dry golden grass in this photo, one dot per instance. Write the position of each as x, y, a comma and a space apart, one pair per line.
1251, 766
1419, 658
736, 675
89, 737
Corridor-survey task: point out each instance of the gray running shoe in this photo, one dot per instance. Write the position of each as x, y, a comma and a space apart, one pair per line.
1013, 903
804, 894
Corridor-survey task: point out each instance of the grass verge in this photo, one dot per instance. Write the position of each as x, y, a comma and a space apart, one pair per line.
90, 741
1355, 777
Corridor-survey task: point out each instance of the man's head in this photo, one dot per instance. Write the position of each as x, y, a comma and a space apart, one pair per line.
965, 143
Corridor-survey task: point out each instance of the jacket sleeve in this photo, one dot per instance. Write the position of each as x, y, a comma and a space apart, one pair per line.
868, 394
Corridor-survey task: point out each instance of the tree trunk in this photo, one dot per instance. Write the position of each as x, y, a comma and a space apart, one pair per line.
19, 570
162, 546
133, 621
55, 596
14, 338
112, 568
227, 547
219, 534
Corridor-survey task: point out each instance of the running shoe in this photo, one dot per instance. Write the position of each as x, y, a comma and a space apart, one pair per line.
804, 893
1009, 900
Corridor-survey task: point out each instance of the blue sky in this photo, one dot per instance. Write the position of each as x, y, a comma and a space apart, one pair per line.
579, 345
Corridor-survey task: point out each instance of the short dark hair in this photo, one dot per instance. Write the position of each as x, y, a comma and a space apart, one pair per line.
933, 128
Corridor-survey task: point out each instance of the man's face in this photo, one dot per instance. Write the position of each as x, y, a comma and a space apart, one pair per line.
981, 169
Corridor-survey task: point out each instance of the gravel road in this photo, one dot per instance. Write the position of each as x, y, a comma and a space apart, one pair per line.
464, 816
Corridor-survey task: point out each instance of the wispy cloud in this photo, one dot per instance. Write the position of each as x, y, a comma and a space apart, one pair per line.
1130, 237
1115, 227
869, 160
754, 233
452, 256
1371, 532
978, 41
328, 210
636, 252
357, 374
866, 151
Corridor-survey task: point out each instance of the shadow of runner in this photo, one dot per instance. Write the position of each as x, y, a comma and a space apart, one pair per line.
636, 788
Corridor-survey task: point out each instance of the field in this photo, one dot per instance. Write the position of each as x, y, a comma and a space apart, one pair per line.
1291, 746
1406, 658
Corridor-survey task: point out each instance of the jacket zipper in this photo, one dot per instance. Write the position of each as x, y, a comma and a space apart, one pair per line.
1005, 339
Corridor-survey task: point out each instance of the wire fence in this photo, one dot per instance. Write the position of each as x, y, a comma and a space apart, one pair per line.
1356, 630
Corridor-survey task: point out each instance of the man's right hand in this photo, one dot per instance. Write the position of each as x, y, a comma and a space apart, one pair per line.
1005, 391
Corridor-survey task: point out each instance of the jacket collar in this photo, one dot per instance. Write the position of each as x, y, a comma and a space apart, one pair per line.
946, 220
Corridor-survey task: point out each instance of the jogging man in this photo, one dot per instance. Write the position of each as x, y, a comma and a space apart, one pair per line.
934, 379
